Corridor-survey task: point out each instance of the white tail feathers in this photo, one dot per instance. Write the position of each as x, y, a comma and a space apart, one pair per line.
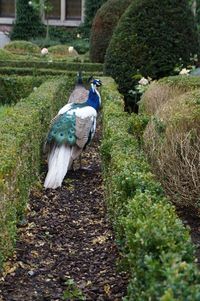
59, 160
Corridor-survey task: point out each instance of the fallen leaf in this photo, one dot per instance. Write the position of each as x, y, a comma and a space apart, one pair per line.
107, 289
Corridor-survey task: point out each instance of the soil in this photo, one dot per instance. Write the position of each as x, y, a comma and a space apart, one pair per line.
66, 247
191, 219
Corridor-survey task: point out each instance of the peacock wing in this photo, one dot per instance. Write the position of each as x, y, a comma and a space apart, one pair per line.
62, 130
83, 130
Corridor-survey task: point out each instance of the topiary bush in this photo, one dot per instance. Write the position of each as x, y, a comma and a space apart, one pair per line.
103, 25
28, 24
91, 7
151, 40
22, 47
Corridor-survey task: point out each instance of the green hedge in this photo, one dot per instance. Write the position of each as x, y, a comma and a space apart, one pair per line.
87, 67
22, 131
33, 71
157, 249
104, 23
22, 47
13, 88
6, 55
150, 41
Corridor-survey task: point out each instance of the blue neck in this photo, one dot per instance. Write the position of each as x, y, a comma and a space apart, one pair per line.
93, 99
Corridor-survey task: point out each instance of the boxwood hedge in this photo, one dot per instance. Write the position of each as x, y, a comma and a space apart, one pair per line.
22, 131
157, 249
13, 88
61, 65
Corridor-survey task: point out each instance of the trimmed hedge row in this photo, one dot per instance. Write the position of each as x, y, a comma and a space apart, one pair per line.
22, 131
39, 72
87, 67
157, 248
13, 88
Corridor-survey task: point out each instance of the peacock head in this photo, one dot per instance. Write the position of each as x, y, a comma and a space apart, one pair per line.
96, 83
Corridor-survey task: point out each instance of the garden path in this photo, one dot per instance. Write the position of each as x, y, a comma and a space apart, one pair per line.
67, 244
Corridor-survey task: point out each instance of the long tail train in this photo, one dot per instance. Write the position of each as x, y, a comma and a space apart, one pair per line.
59, 162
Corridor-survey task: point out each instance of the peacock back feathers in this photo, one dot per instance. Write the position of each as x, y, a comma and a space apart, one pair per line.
67, 128
63, 130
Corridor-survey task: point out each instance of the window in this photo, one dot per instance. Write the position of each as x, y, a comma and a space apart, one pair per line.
65, 12
7, 8
73, 10
55, 11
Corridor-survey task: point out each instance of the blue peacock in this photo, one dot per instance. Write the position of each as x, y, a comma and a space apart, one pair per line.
71, 130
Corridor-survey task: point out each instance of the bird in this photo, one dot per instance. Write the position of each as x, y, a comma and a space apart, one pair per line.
80, 93
70, 132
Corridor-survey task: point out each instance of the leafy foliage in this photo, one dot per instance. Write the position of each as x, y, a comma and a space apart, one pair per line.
150, 40
157, 249
91, 7
27, 24
72, 292
6, 55
103, 26
13, 88
20, 151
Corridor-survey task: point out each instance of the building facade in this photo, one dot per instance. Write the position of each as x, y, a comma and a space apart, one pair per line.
69, 13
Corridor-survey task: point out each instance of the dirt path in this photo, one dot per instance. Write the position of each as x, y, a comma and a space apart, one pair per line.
191, 219
67, 247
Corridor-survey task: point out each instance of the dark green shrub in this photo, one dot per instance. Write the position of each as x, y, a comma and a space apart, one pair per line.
103, 25
65, 36
42, 42
91, 7
27, 24
81, 45
70, 38
151, 40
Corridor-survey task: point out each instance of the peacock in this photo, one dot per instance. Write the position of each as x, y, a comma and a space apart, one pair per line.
80, 93
70, 132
